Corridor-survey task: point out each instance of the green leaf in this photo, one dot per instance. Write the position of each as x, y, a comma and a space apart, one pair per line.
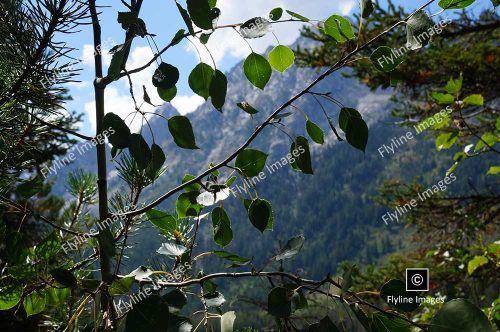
179, 35
247, 108
345, 115
191, 187
227, 321
291, 248
251, 162
257, 70
260, 214
298, 16
366, 8
127, 18
179, 324
223, 234
57, 296
157, 160
214, 300
235, 259
356, 132
116, 63
339, 28
30, 187
384, 59
181, 130
454, 86
384, 323
489, 138
200, 13
34, 303
315, 132
276, 14
281, 58
166, 223
200, 80
176, 298
64, 277
455, 4
361, 315
279, 302
186, 205
347, 278
49, 247
186, 18
299, 301
303, 161
417, 30
165, 76
396, 288
204, 37
171, 249
494, 170
460, 315
442, 98
212, 3
218, 90
475, 100
167, 94
497, 125
150, 314
117, 131
9, 297
475, 263
324, 325
139, 150
446, 140
121, 286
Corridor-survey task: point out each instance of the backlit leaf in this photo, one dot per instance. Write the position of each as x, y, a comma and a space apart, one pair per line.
315, 132
257, 70
281, 58
339, 28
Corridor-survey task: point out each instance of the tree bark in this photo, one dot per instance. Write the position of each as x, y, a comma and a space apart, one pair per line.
104, 258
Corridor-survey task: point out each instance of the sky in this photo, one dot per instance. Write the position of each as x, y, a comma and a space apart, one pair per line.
163, 19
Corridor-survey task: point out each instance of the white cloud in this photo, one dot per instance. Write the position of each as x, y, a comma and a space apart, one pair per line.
187, 104
346, 7
88, 55
228, 42
79, 85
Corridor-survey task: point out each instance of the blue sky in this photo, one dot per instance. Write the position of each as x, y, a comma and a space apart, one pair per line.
163, 19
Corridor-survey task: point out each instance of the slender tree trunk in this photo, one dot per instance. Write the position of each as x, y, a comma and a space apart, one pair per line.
104, 259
